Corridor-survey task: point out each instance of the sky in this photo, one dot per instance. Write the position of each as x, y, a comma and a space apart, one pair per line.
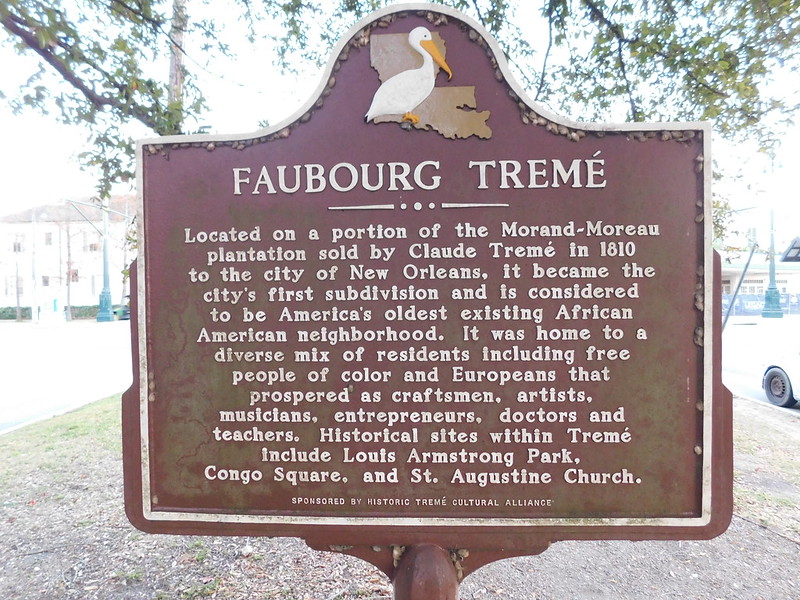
38, 161
767, 192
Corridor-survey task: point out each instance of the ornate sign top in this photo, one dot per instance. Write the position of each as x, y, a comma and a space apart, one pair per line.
408, 93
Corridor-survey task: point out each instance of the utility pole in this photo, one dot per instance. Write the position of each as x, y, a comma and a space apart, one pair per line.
179, 22
68, 310
34, 297
19, 290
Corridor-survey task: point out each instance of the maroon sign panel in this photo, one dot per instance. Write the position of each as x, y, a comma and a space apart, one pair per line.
427, 311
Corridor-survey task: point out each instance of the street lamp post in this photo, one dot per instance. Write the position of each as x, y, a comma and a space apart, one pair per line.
772, 297
105, 313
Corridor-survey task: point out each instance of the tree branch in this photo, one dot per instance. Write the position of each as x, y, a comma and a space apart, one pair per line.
155, 24
480, 15
635, 112
597, 15
21, 29
543, 73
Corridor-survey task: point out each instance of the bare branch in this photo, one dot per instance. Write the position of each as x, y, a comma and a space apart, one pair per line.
599, 16
550, 25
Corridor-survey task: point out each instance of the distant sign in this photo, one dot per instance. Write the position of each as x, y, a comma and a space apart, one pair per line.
426, 310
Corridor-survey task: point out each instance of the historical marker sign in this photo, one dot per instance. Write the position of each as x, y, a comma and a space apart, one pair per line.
427, 311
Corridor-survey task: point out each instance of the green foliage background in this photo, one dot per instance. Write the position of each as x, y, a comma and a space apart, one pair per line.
103, 64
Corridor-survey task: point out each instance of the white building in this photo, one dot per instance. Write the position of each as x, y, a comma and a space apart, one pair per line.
752, 280
51, 256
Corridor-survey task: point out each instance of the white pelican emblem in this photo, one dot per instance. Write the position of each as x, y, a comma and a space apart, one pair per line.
401, 94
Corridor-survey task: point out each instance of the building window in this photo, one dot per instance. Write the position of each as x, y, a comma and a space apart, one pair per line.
48, 238
45, 281
73, 275
94, 247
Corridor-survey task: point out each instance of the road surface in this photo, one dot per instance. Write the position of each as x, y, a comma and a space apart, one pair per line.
52, 368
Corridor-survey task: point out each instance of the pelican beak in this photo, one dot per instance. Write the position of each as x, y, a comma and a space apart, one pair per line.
431, 48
